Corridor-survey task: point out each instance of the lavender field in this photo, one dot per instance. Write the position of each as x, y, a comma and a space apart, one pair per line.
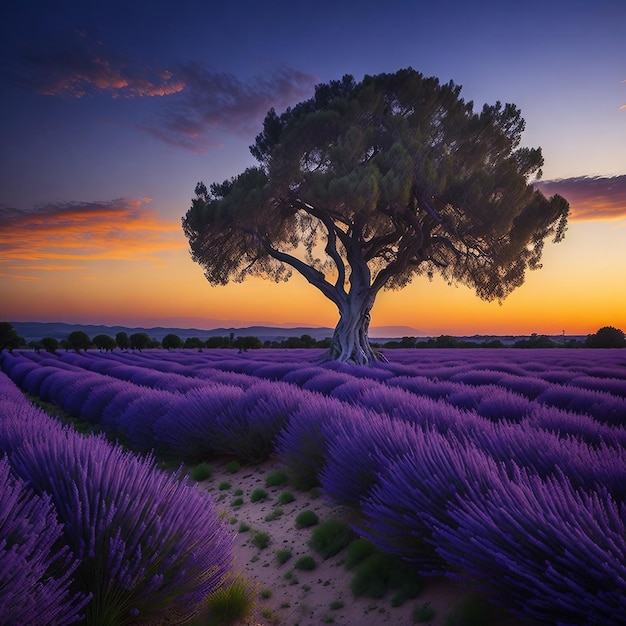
503, 467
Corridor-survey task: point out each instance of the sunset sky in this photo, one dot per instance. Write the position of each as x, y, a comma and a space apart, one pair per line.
111, 112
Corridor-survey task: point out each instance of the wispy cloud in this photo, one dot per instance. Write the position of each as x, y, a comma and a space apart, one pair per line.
598, 198
76, 65
67, 236
202, 103
216, 102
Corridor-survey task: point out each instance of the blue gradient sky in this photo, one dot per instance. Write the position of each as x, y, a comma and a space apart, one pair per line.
112, 112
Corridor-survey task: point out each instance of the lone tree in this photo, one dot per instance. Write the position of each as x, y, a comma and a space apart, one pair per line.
368, 184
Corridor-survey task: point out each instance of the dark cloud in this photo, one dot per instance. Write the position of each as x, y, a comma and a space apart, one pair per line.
215, 102
75, 65
598, 198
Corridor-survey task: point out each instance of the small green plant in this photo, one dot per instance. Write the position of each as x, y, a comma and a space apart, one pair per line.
286, 497
258, 495
233, 521
237, 502
473, 611
285, 605
330, 537
232, 467
266, 593
423, 613
306, 519
261, 539
201, 472
283, 555
336, 605
277, 478
357, 551
243, 527
275, 514
305, 563
306, 587
239, 492
379, 572
229, 603
224, 486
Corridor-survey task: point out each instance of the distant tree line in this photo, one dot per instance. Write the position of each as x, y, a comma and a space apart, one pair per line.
605, 337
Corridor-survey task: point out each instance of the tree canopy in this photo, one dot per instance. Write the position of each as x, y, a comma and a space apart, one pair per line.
369, 184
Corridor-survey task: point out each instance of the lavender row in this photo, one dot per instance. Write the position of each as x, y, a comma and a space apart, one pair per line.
127, 526
223, 419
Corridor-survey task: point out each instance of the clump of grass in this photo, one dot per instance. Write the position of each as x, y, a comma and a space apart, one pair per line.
357, 551
224, 486
474, 611
230, 603
275, 514
380, 572
283, 555
423, 613
238, 492
307, 518
276, 478
336, 605
305, 563
258, 495
261, 539
330, 537
201, 472
232, 467
286, 497
266, 593
237, 502
243, 527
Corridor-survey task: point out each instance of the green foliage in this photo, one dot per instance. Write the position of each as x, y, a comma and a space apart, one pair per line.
275, 514
307, 518
358, 550
50, 344
201, 472
286, 497
224, 486
260, 539
397, 168
378, 573
172, 341
140, 341
237, 502
276, 479
78, 340
122, 340
607, 337
258, 495
473, 611
330, 537
232, 467
305, 563
231, 603
335, 605
243, 527
104, 343
283, 555
9, 339
422, 613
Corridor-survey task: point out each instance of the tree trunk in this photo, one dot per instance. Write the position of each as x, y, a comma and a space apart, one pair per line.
350, 342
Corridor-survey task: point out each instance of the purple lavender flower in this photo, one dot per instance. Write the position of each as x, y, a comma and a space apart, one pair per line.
35, 567
147, 541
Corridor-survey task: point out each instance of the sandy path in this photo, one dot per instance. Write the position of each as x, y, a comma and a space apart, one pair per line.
320, 596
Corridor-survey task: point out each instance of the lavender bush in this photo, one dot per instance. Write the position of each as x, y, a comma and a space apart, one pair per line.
35, 567
542, 549
150, 547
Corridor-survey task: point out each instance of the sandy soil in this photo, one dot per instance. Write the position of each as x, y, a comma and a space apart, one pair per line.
288, 596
